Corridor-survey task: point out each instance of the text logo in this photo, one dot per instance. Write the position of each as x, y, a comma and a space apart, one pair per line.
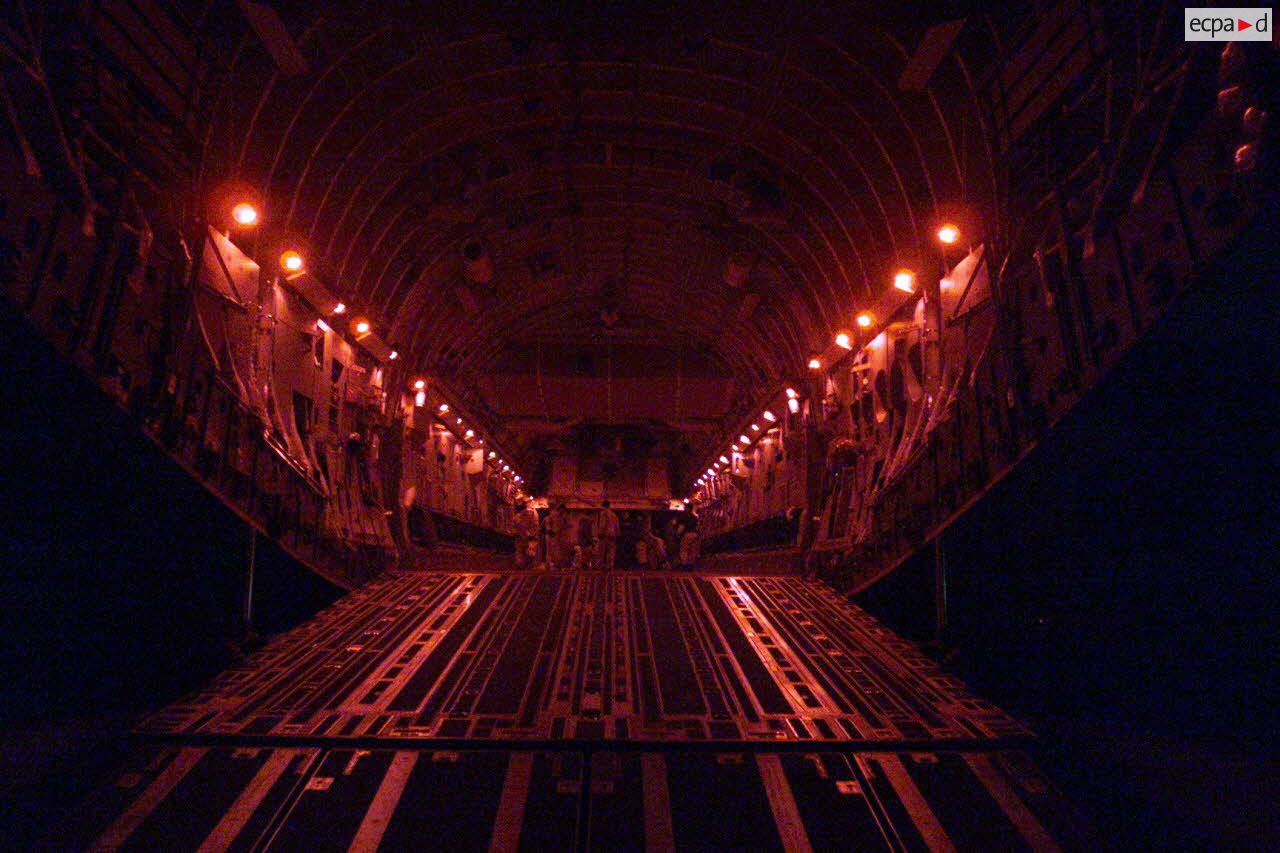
1204, 24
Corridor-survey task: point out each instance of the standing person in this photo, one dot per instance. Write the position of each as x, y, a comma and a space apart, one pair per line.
585, 552
690, 546
555, 527
671, 536
526, 528
607, 535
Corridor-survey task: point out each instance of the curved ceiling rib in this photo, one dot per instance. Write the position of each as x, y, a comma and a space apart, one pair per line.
599, 165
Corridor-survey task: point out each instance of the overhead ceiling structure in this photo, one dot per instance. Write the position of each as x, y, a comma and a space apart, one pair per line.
713, 195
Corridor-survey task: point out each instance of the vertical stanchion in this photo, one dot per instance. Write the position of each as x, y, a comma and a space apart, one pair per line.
248, 585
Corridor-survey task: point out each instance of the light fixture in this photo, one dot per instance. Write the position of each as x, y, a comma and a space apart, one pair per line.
393, 356
794, 405
742, 439
420, 385
322, 326
244, 214
842, 340
791, 394
948, 234
755, 427
769, 416
444, 408
469, 434
905, 280
420, 399
361, 326
492, 455
735, 448
506, 468
815, 363
459, 421
724, 461
291, 261
865, 320
340, 308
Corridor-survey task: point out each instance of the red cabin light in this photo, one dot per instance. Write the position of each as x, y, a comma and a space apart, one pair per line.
244, 214
291, 261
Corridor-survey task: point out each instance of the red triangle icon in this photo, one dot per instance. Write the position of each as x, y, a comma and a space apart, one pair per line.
1244, 25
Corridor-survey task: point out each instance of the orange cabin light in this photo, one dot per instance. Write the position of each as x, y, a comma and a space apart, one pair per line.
361, 327
735, 448
843, 341
244, 214
905, 280
724, 461
742, 439
794, 405
459, 421
769, 416
492, 455
815, 363
469, 434
755, 427
865, 320
420, 385
948, 234
393, 355
420, 399
322, 326
791, 394
291, 261
444, 408
340, 308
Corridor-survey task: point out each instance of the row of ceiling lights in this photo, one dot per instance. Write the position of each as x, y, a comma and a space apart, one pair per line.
904, 280
468, 434
292, 264
746, 440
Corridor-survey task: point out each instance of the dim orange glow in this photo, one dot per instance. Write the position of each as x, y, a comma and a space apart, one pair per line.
794, 405
905, 280
444, 408
420, 385
948, 234
865, 319
843, 341
420, 399
291, 261
769, 416
244, 214
815, 363
340, 308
